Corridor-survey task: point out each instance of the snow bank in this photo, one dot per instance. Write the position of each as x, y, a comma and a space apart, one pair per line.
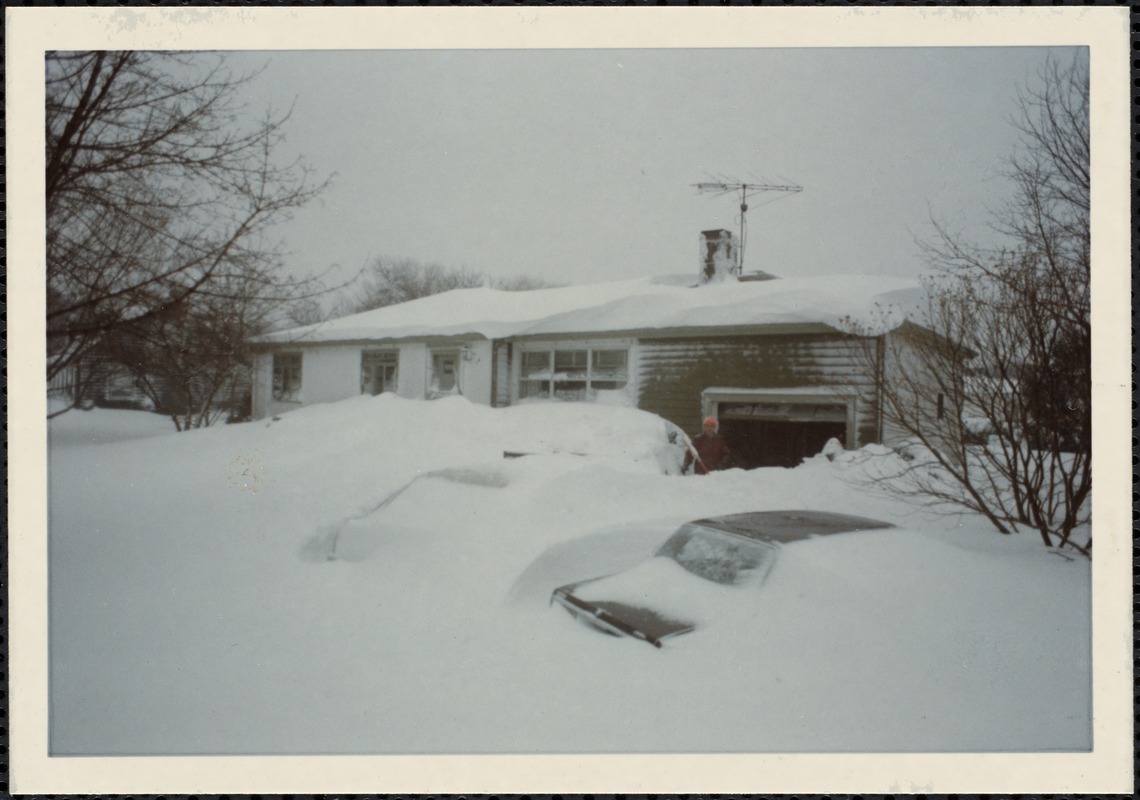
103, 425
186, 617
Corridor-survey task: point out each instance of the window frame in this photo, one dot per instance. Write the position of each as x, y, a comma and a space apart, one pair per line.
380, 357
442, 353
581, 383
283, 390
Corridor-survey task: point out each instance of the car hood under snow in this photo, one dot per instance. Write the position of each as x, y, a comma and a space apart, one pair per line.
702, 573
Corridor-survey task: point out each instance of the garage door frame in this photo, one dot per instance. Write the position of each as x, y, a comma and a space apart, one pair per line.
808, 397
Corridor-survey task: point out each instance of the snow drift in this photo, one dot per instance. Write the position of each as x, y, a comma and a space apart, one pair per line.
185, 617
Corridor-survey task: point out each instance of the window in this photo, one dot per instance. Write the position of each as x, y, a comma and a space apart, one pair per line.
717, 556
609, 369
377, 371
573, 374
287, 377
444, 374
536, 374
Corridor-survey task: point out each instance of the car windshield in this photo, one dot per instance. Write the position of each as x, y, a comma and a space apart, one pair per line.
716, 556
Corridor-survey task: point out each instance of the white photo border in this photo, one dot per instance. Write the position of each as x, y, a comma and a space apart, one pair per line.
32, 31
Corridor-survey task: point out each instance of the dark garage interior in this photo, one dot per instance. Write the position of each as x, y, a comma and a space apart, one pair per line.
777, 443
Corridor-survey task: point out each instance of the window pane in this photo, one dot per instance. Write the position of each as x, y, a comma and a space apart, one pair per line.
609, 368
536, 364
378, 371
287, 376
570, 390
444, 374
534, 389
573, 374
571, 363
610, 364
378, 357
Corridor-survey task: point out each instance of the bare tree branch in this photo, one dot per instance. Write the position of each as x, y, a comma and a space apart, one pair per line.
157, 193
994, 391
389, 281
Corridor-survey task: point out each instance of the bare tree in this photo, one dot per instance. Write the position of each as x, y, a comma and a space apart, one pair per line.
994, 388
304, 311
194, 360
521, 283
155, 194
389, 281
187, 363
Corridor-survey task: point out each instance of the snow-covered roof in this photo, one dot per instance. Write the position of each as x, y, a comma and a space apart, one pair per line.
875, 302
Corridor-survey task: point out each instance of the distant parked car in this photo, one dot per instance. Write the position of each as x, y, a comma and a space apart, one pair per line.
665, 595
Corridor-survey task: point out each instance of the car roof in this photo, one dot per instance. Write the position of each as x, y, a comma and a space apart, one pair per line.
788, 526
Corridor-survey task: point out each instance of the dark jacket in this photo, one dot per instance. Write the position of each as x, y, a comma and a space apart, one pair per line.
713, 451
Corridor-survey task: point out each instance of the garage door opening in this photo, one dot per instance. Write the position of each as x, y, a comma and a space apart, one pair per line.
766, 428
766, 443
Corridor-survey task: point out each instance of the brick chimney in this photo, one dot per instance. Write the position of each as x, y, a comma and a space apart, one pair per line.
718, 256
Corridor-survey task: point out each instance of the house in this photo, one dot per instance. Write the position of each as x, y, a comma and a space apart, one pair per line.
95, 380
772, 358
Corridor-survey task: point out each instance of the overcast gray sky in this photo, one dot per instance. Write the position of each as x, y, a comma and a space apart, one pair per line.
577, 165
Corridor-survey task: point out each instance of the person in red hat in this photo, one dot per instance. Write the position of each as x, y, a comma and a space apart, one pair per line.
712, 451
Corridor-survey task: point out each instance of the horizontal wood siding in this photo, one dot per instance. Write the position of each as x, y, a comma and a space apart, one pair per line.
672, 373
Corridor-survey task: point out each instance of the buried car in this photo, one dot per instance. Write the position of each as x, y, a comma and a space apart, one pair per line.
617, 433
657, 599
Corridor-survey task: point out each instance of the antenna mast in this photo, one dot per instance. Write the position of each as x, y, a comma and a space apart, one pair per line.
746, 190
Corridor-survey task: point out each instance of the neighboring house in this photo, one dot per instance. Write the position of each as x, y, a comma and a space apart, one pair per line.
94, 381
772, 358
100, 381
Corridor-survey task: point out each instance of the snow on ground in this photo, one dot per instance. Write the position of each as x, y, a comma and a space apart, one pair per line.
193, 609
103, 425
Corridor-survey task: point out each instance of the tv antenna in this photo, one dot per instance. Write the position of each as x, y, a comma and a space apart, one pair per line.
746, 190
